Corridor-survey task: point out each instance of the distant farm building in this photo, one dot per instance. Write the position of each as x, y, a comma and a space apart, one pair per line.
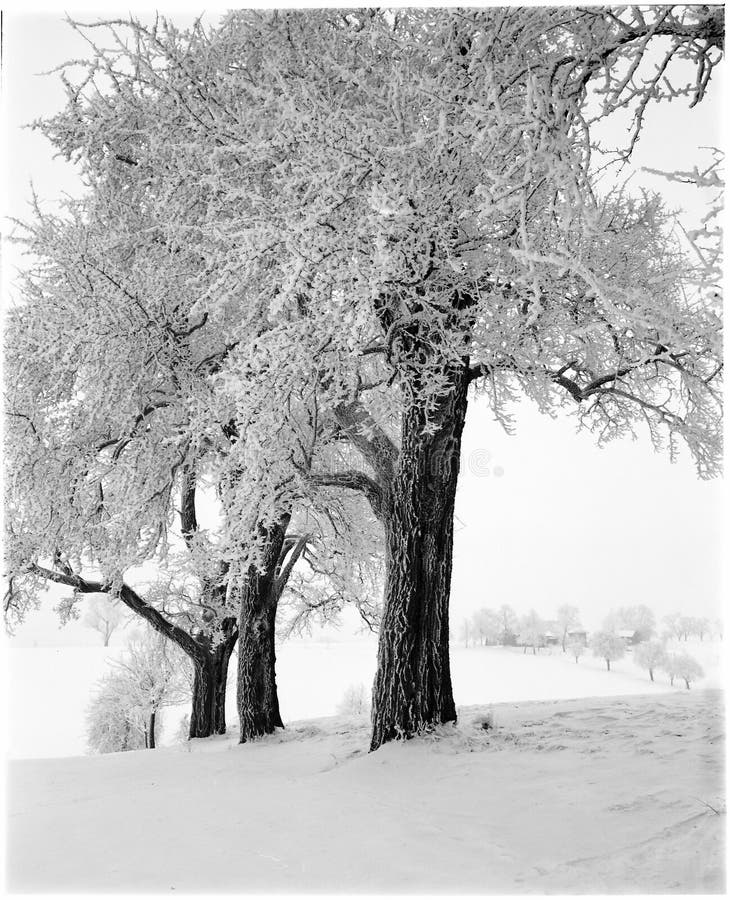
578, 635
630, 636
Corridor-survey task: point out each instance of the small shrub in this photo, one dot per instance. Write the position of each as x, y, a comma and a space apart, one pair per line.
183, 730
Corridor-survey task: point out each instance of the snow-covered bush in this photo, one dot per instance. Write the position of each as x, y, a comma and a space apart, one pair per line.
650, 656
113, 721
182, 735
607, 646
355, 701
125, 712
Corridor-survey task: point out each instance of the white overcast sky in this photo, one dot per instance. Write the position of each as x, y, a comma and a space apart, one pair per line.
543, 517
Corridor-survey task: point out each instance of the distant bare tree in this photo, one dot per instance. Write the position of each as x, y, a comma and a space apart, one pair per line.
568, 617
103, 615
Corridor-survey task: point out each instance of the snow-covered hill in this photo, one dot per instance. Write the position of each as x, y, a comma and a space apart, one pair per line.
591, 795
50, 687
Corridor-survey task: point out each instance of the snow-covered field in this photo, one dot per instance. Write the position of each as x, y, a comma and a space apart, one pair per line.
618, 794
49, 687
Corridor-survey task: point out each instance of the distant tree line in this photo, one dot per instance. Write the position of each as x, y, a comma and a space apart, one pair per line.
503, 626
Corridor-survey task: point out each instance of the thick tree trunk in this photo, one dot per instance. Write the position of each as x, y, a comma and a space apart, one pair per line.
153, 716
208, 715
258, 701
651, 674
412, 689
608, 665
221, 659
202, 716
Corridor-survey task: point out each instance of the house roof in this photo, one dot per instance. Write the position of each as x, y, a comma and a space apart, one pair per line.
626, 632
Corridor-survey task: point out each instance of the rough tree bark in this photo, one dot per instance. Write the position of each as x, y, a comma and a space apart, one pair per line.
412, 687
210, 680
153, 716
258, 699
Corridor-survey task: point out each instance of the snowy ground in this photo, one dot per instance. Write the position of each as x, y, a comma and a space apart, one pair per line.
49, 687
621, 794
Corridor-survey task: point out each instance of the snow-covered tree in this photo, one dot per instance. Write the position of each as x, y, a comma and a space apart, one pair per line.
487, 624
508, 621
103, 615
702, 627
568, 617
154, 671
687, 668
638, 618
686, 626
608, 646
650, 656
673, 623
413, 219
531, 629
576, 649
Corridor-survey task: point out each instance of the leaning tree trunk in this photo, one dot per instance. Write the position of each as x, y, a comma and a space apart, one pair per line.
153, 716
412, 687
258, 700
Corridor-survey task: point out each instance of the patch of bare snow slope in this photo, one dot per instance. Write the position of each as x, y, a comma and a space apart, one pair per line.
592, 795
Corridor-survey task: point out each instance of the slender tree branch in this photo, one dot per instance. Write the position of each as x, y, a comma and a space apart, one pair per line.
286, 570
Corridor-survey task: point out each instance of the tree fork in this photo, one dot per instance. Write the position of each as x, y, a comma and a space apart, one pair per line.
258, 700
